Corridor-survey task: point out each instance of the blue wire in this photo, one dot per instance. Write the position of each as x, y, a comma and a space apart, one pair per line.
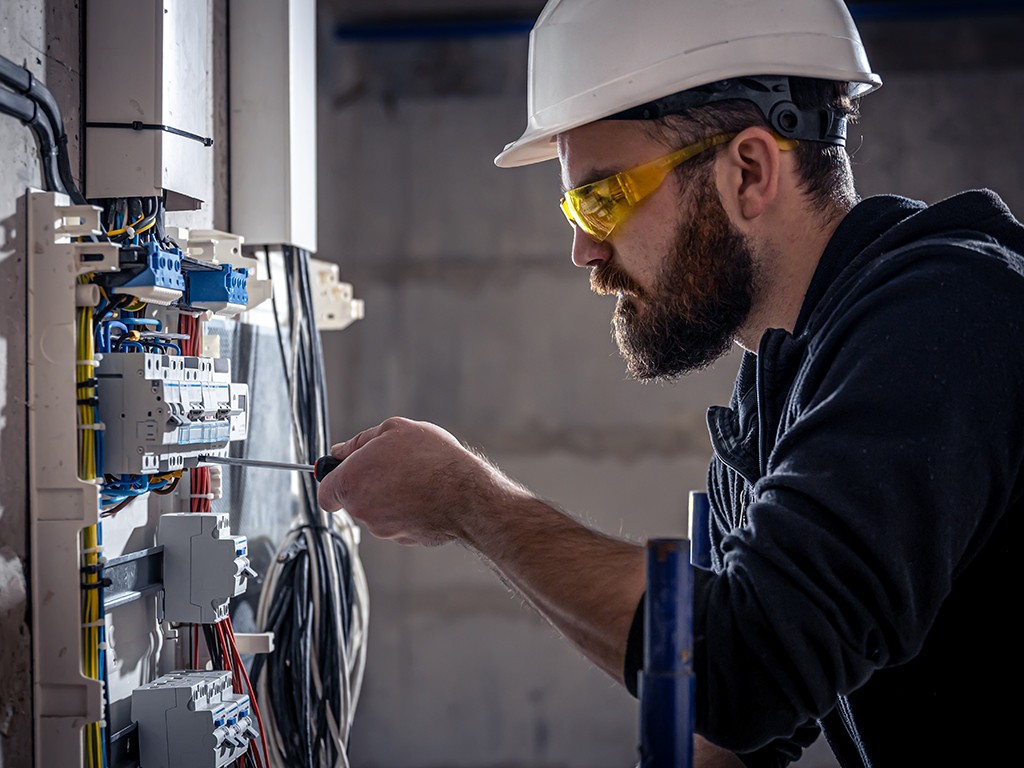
170, 344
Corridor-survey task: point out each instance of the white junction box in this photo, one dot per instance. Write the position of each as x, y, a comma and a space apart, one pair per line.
148, 101
204, 566
334, 305
160, 410
273, 121
192, 718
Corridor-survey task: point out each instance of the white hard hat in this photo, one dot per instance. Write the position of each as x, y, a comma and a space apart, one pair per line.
590, 59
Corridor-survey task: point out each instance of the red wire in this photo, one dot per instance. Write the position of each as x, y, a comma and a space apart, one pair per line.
248, 684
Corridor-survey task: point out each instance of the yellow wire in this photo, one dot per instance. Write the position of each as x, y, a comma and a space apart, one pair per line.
140, 230
91, 640
87, 457
122, 230
85, 350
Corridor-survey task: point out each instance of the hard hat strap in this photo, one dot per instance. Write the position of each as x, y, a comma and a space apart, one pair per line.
770, 93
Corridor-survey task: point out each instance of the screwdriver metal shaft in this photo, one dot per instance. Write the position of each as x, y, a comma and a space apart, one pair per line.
319, 468
255, 463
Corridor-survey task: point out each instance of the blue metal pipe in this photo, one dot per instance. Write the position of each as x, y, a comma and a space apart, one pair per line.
911, 10
667, 683
430, 30
700, 531
453, 29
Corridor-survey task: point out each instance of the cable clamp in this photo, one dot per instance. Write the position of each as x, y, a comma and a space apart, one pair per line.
97, 584
93, 363
93, 550
209, 496
99, 426
90, 624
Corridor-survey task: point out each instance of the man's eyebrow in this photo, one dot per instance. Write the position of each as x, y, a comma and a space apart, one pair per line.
597, 174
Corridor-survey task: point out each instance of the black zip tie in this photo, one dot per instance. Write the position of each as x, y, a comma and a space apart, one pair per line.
138, 125
89, 401
87, 384
93, 568
98, 584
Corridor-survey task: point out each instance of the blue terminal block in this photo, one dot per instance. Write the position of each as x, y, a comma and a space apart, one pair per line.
160, 281
667, 684
222, 290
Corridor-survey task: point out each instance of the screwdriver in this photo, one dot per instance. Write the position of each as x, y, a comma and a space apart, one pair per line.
320, 468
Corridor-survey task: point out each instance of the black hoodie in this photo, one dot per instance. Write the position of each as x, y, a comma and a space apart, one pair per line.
867, 495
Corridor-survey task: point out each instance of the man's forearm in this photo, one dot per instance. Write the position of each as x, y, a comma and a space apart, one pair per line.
586, 584
413, 482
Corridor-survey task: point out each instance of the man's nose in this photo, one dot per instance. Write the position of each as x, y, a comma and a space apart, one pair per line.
588, 252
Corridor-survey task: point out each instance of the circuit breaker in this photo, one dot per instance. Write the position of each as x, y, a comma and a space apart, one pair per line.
160, 410
204, 566
192, 718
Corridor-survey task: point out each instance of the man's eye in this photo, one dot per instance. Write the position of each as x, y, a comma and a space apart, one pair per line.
596, 204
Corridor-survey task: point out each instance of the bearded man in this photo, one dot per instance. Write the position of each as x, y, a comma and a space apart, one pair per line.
867, 480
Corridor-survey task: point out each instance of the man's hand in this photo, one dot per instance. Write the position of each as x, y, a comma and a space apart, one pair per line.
412, 482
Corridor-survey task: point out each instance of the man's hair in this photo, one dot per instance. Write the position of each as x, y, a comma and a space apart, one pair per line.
823, 170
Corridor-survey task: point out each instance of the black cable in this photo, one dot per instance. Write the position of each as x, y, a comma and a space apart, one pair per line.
17, 106
13, 76
54, 154
27, 111
302, 715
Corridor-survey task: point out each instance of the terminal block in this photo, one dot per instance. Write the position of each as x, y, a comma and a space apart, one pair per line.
221, 290
159, 410
204, 566
150, 273
192, 718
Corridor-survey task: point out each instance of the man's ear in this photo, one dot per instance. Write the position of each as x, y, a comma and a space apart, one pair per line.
747, 174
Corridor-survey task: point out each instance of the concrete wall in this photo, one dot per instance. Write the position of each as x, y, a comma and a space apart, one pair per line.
41, 35
476, 319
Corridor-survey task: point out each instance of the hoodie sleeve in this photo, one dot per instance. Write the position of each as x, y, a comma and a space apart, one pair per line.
897, 454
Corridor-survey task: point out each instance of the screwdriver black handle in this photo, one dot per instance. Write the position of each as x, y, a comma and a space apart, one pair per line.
323, 466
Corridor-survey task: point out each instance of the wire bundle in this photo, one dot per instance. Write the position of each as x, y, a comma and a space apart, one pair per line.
32, 103
94, 638
90, 444
315, 599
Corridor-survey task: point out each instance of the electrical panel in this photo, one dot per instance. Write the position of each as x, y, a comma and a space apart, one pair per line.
143, 339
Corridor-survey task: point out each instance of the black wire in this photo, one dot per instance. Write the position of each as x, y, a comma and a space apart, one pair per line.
44, 117
303, 716
213, 647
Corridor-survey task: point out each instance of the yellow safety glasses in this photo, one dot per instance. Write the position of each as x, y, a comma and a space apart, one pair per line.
599, 207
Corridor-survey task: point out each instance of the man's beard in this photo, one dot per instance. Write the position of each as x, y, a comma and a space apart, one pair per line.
701, 297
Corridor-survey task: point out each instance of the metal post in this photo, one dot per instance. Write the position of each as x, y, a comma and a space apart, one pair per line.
700, 533
667, 683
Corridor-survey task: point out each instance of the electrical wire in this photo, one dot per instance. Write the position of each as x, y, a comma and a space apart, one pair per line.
34, 104
314, 598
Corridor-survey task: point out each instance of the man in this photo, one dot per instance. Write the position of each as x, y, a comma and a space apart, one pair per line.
866, 486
